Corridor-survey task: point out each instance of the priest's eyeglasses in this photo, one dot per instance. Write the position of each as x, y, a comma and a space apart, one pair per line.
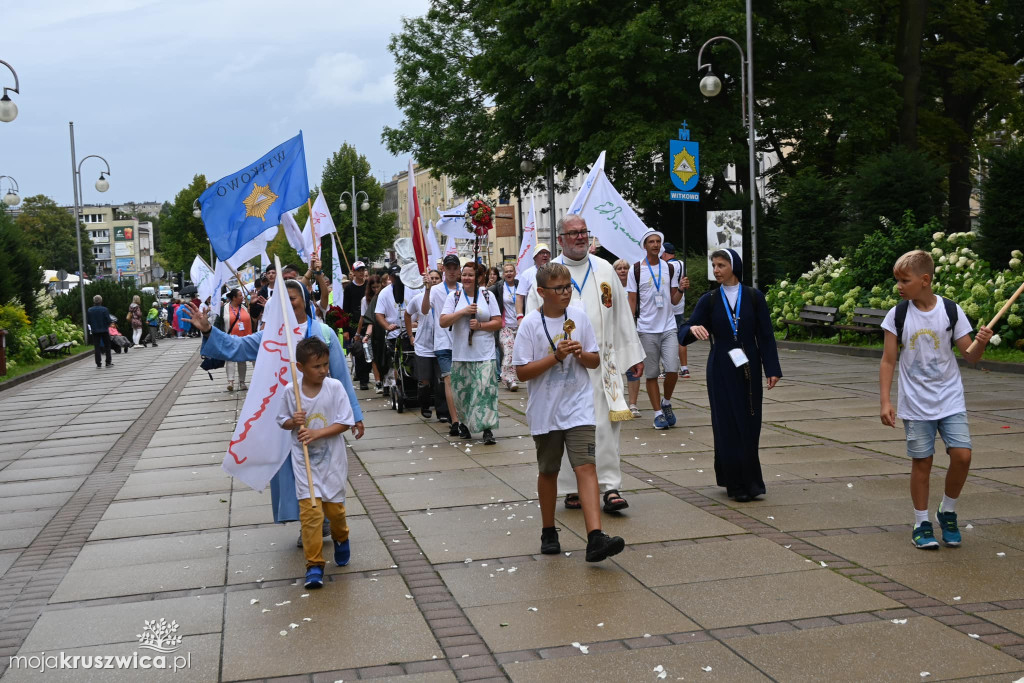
576, 234
558, 289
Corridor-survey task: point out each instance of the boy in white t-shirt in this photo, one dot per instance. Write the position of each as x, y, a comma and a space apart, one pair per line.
326, 414
554, 348
931, 395
421, 329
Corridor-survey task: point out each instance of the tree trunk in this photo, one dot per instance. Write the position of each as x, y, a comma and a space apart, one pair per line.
908, 60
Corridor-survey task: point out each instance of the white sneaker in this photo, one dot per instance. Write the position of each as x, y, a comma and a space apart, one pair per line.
512, 386
634, 410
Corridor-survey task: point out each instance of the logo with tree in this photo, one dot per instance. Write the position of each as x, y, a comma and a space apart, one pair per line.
159, 635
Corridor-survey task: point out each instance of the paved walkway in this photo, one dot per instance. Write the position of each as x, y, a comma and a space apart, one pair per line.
114, 511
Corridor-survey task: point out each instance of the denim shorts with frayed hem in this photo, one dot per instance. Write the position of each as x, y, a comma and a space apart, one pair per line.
921, 434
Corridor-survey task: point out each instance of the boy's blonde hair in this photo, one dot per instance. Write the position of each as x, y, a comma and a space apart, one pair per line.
552, 271
915, 262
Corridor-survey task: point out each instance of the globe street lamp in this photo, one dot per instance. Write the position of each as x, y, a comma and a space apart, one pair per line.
711, 85
12, 199
102, 185
8, 109
353, 197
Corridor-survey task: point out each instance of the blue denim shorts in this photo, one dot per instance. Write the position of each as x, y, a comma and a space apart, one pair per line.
444, 359
921, 434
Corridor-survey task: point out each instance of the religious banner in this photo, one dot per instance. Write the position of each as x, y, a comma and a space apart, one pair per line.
725, 231
525, 258
609, 217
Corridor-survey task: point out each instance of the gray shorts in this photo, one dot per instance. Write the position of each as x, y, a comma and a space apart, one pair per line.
580, 443
662, 349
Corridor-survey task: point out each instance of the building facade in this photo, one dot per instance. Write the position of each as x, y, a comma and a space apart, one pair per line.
121, 245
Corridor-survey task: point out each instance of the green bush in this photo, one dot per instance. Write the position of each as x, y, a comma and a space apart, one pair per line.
697, 271
117, 297
872, 259
1002, 209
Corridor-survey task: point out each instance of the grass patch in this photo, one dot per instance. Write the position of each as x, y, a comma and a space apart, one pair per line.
1002, 354
23, 368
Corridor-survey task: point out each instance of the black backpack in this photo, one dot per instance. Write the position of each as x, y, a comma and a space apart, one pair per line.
901, 318
636, 278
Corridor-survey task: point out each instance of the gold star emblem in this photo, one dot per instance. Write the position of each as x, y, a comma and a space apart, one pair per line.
259, 201
684, 166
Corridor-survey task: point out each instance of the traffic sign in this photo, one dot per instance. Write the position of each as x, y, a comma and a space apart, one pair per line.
62, 275
158, 271
684, 166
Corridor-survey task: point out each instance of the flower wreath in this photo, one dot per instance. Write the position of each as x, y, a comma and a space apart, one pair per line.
479, 215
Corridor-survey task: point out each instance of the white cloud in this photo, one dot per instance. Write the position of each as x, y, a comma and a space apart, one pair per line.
343, 78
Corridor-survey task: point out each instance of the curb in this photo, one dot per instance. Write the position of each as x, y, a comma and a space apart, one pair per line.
21, 379
863, 352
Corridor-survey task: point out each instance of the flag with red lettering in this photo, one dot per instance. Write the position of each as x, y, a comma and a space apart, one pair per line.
259, 446
419, 244
529, 243
318, 225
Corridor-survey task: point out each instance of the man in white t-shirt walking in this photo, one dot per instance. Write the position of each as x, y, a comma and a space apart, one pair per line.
433, 300
652, 296
541, 255
682, 283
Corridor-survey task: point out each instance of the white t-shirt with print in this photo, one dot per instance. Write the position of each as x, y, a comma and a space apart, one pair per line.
680, 271
562, 397
509, 299
424, 345
392, 312
483, 342
652, 318
930, 387
328, 459
438, 295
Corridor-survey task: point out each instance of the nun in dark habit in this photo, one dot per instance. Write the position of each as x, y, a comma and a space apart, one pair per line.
735, 318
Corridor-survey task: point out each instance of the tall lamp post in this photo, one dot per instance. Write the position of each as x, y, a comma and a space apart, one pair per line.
710, 85
8, 109
353, 197
102, 185
527, 166
12, 199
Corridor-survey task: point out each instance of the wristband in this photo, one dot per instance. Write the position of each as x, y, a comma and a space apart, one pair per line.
318, 272
519, 317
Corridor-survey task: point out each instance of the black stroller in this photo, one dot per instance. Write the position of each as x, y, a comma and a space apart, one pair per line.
405, 386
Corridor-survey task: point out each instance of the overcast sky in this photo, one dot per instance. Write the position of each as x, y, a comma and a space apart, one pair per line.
165, 89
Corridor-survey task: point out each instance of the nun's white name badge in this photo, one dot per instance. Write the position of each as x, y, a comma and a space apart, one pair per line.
739, 359
659, 301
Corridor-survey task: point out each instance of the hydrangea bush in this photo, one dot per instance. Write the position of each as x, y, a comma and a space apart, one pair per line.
960, 275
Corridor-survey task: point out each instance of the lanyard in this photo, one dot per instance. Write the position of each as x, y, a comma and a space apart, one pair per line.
511, 291
447, 291
579, 288
656, 283
734, 314
543, 320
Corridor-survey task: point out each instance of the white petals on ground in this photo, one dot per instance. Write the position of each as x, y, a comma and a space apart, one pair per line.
849, 486
467, 560
956, 597
304, 595
568, 554
705, 668
974, 635
658, 669
1000, 554
601, 625
282, 604
899, 621
531, 609
769, 516
822, 564
925, 674
971, 526
307, 618
408, 597
253, 601
265, 610
511, 569
293, 626
284, 633
582, 648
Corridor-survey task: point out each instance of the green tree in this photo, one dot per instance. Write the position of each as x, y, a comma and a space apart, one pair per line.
377, 229
20, 274
182, 234
1002, 208
804, 227
49, 230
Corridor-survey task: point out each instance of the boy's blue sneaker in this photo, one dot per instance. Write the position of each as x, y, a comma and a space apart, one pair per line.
666, 408
950, 530
924, 537
660, 422
342, 553
315, 577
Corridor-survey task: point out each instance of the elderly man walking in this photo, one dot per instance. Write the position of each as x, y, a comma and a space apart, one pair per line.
597, 289
98, 318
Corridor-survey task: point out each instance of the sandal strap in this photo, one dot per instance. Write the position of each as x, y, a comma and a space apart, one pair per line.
612, 493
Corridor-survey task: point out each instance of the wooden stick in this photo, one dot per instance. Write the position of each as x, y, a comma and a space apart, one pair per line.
343, 254
312, 228
295, 380
992, 323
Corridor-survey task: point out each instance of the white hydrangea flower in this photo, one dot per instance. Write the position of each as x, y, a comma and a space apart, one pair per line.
1016, 253
936, 252
939, 236
1015, 263
961, 262
996, 340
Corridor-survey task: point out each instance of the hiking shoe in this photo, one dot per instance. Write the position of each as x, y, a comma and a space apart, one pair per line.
364, 387
549, 544
454, 430
950, 530
489, 438
670, 416
633, 410
660, 422
379, 388
342, 553
685, 373
602, 546
315, 577
464, 432
924, 537
512, 386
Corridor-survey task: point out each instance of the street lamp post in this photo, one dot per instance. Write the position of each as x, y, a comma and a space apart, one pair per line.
353, 197
8, 109
710, 85
527, 166
12, 199
102, 185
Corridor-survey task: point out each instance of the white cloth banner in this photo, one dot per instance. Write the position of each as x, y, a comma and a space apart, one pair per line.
259, 446
294, 236
452, 222
202, 276
322, 221
433, 248
451, 247
251, 250
525, 258
221, 274
336, 272
264, 260
609, 218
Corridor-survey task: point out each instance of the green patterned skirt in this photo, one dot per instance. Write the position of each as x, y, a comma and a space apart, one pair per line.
476, 394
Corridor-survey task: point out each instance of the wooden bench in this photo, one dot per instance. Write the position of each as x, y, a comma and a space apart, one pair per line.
813, 318
865, 321
49, 345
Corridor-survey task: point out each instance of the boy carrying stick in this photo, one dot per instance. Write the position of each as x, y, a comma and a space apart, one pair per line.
931, 396
554, 347
326, 414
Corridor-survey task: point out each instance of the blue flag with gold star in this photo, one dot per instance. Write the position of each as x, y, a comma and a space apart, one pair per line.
240, 207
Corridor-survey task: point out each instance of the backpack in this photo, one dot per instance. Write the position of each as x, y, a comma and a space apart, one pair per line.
900, 318
636, 278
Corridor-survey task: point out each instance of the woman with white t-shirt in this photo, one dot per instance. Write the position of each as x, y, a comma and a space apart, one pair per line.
474, 316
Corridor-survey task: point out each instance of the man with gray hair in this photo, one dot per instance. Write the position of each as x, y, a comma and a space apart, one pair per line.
98, 319
596, 288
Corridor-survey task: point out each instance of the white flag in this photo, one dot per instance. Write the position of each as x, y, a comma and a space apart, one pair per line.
433, 248
451, 247
264, 260
336, 273
252, 249
294, 236
201, 275
320, 216
609, 218
259, 446
452, 222
525, 258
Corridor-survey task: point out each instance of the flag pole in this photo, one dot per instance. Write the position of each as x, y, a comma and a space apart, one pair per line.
312, 228
295, 380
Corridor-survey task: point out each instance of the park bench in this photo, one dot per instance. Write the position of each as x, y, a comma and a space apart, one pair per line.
813, 318
865, 321
49, 345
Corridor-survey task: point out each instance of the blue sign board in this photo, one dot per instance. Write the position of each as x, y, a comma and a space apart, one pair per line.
684, 167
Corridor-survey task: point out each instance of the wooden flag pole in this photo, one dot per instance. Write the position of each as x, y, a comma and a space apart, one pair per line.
343, 254
992, 323
295, 379
312, 228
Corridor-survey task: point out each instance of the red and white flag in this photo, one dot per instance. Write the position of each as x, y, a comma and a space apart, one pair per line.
259, 446
525, 258
318, 225
451, 247
419, 244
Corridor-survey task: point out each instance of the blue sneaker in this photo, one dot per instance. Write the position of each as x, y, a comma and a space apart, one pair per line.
924, 537
315, 577
950, 530
342, 553
666, 408
660, 422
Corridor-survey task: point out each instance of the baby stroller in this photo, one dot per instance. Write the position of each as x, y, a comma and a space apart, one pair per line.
404, 385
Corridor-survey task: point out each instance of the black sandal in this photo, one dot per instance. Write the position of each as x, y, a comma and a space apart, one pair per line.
572, 502
619, 504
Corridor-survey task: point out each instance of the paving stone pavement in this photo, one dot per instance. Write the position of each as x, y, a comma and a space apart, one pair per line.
114, 511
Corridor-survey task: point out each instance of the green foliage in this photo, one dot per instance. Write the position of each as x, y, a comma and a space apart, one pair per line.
182, 234
117, 297
49, 230
697, 271
873, 258
808, 220
1002, 208
23, 334
19, 266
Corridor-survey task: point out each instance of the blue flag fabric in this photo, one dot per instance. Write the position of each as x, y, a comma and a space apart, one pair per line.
239, 207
